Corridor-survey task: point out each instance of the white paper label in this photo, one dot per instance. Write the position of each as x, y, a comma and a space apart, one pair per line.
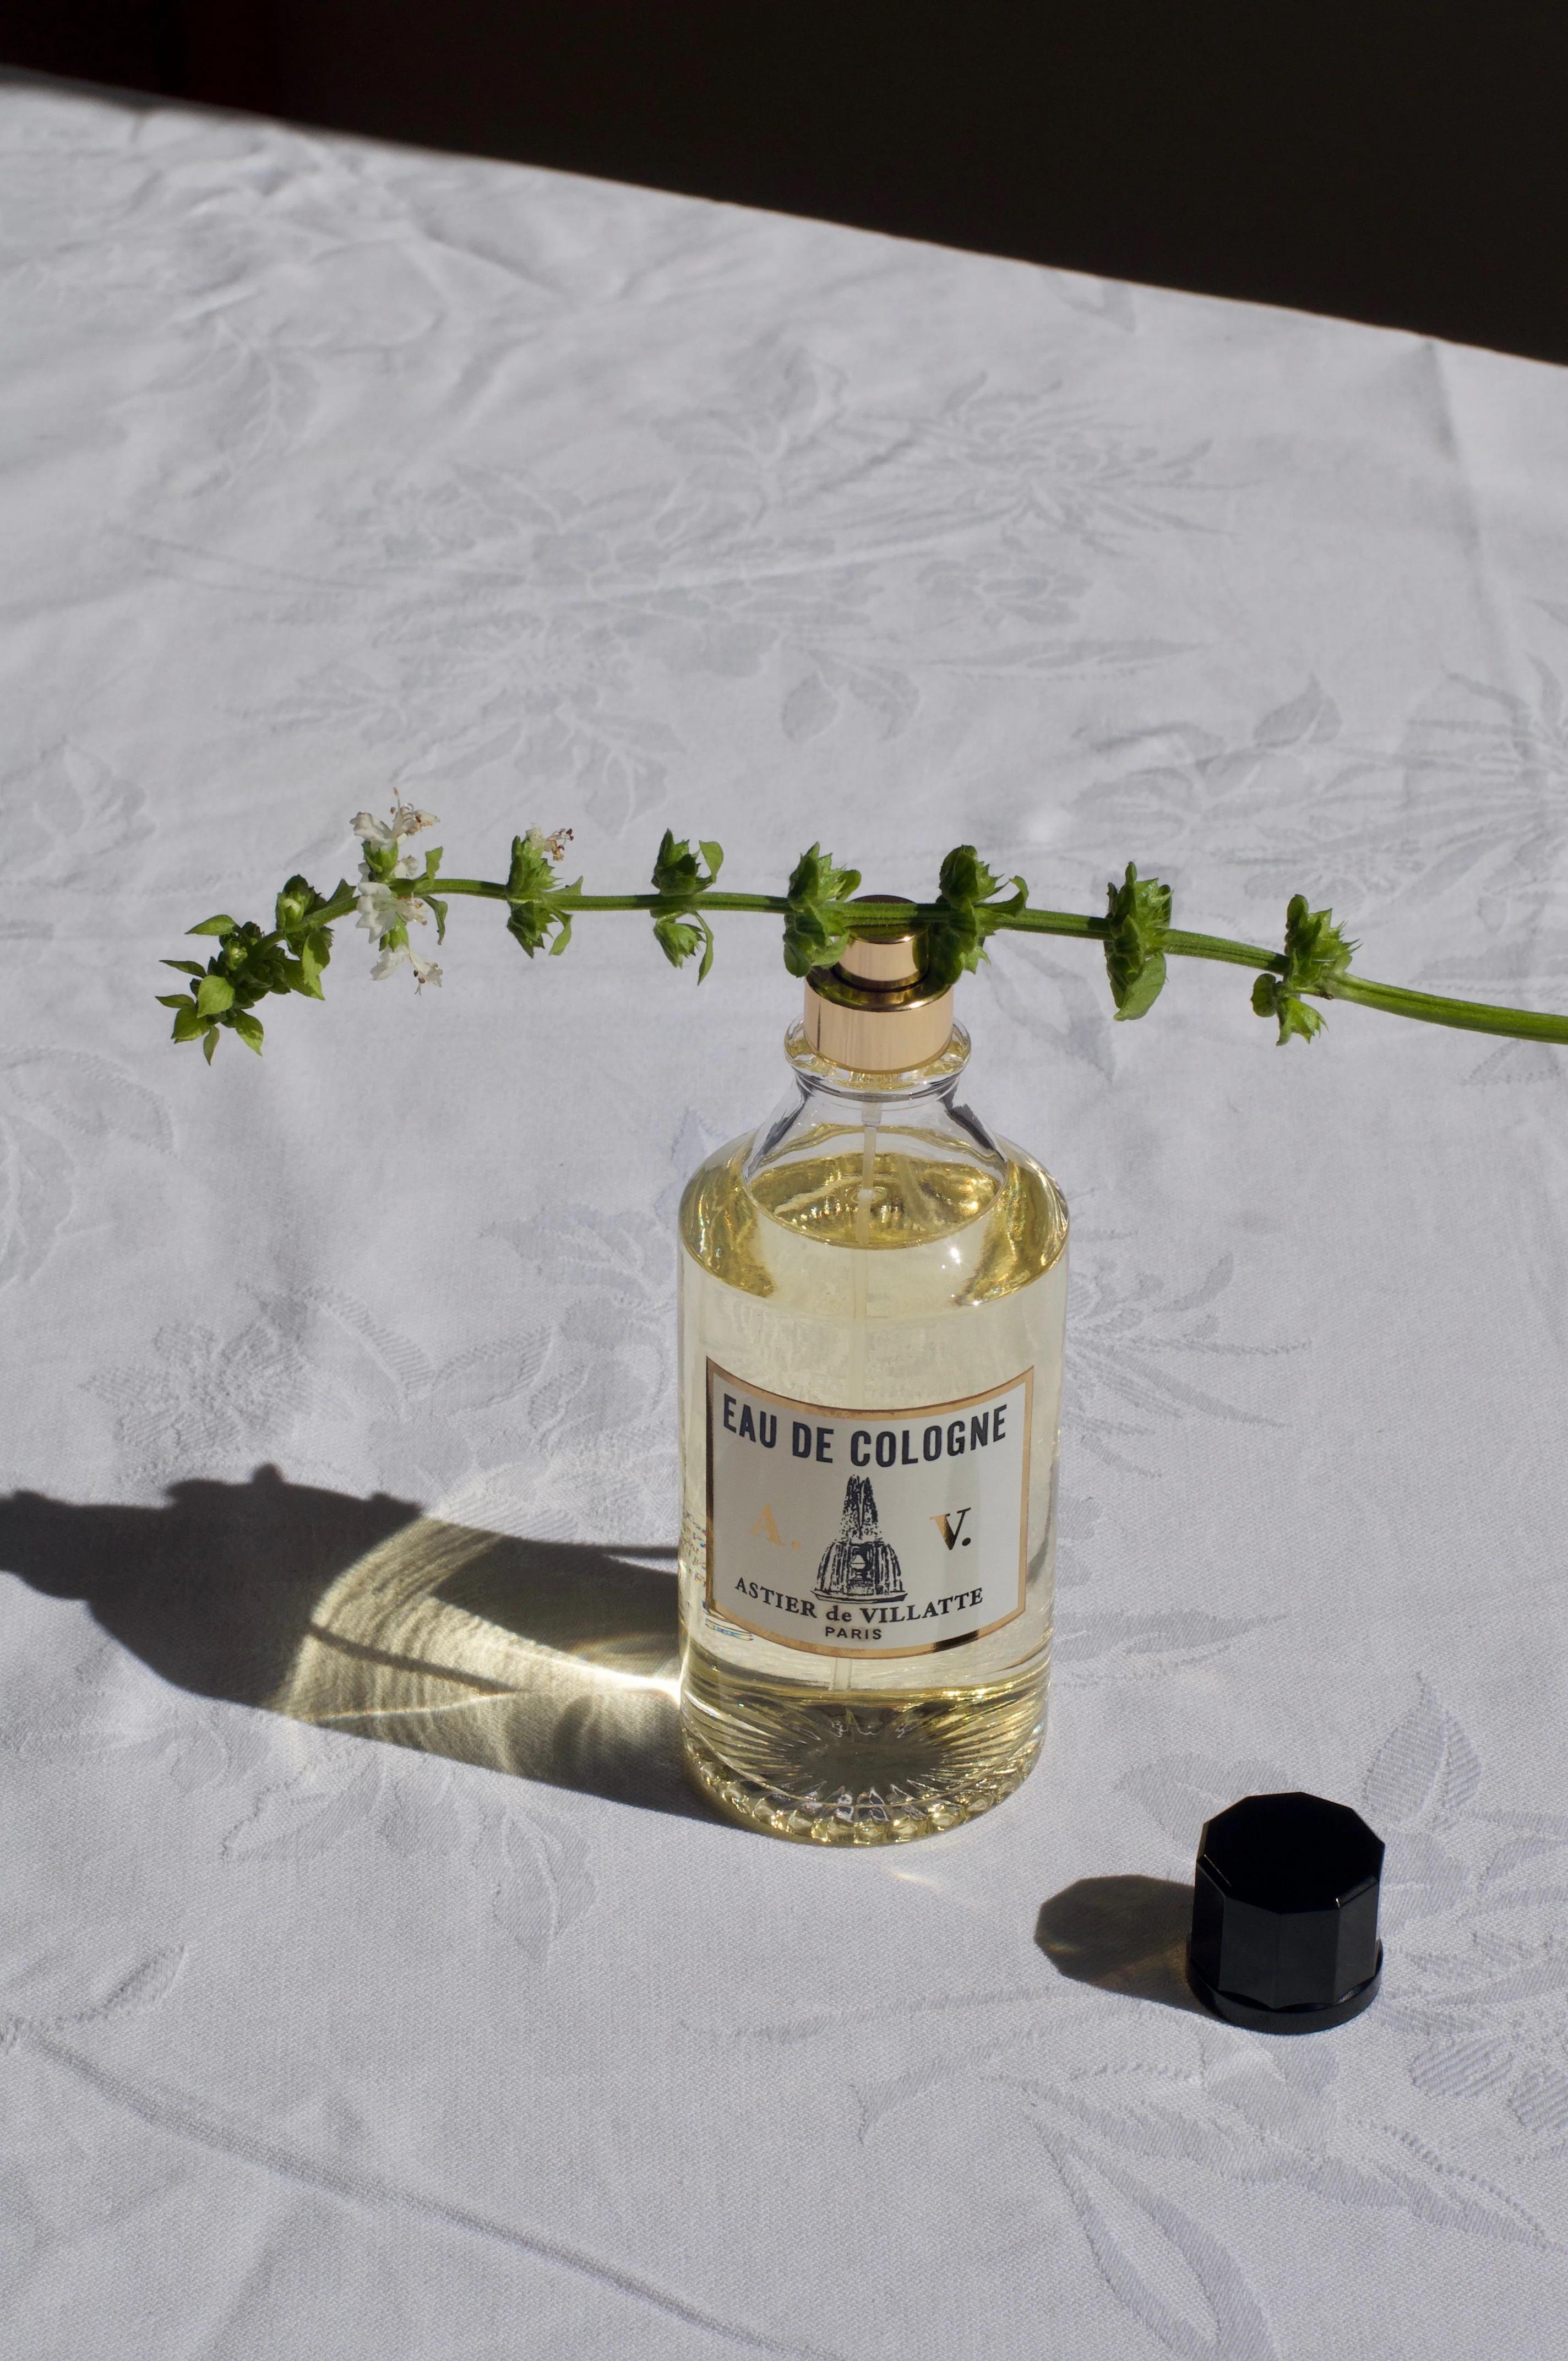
866, 1533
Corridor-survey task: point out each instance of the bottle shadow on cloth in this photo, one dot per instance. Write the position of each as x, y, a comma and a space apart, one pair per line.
1126, 1934
553, 1660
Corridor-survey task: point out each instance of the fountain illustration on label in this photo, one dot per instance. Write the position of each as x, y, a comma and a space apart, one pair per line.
860, 1563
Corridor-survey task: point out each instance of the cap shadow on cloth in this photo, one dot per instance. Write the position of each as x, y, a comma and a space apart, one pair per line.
1126, 1934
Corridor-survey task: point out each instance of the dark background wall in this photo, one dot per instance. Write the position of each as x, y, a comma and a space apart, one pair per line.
1395, 160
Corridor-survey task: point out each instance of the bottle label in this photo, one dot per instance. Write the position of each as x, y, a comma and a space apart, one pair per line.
867, 1532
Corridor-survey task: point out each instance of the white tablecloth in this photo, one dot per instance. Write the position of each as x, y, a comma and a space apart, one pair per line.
337, 1386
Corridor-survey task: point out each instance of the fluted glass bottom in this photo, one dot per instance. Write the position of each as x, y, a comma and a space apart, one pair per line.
848, 1768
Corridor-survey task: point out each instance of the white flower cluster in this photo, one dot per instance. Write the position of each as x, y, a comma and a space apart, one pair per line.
552, 842
383, 912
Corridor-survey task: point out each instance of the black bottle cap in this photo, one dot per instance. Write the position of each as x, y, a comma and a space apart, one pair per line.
1285, 1914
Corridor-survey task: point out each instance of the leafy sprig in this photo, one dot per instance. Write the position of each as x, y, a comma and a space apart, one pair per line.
822, 912
249, 963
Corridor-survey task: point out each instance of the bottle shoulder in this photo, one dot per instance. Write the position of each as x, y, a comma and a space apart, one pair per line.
905, 1215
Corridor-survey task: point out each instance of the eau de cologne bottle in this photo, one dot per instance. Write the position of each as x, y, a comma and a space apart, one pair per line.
872, 1295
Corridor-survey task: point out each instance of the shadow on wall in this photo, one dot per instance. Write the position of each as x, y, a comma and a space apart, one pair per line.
1395, 162
553, 1660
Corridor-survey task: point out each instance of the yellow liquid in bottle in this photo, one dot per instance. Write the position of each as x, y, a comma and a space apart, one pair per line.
886, 1268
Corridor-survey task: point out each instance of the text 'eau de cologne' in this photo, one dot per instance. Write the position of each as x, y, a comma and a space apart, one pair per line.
872, 1298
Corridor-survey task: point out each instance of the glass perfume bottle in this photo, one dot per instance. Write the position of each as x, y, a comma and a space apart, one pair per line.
872, 1296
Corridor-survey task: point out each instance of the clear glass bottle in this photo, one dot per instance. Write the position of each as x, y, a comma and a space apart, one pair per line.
872, 1296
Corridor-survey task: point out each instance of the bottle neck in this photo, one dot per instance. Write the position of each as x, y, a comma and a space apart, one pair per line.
828, 1102
933, 1078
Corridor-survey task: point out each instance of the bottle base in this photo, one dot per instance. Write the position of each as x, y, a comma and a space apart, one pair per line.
860, 1770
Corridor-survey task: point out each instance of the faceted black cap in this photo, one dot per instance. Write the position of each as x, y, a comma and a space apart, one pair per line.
1285, 1914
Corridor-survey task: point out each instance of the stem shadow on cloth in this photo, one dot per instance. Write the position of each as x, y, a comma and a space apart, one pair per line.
553, 1660
1126, 1934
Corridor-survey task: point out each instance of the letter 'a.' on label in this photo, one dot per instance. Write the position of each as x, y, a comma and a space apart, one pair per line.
867, 1532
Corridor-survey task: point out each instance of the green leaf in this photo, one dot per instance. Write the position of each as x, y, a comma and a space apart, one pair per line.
819, 921
295, 904
529, 925
1297, 1021
680, 939
539, 902
249, 1029
967, 913
964, 877
1316, 953
306, 974
531, 877
439, 908
676, 938
175, 1000
187, 1024
681, 877
297, 910
1315, 949
1138, 911
185, 967
1139, 996
210, 1044
677, 871
213, 994
219, 925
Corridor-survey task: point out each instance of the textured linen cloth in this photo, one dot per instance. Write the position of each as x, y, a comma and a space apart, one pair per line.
370, 1983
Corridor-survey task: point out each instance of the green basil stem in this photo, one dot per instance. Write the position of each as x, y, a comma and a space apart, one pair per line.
1432, 1008
1397, 1000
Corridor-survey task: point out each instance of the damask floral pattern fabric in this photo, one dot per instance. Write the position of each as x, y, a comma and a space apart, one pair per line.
369, 1983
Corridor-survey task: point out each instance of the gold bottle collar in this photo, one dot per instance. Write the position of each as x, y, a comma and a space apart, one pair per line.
873, 1012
